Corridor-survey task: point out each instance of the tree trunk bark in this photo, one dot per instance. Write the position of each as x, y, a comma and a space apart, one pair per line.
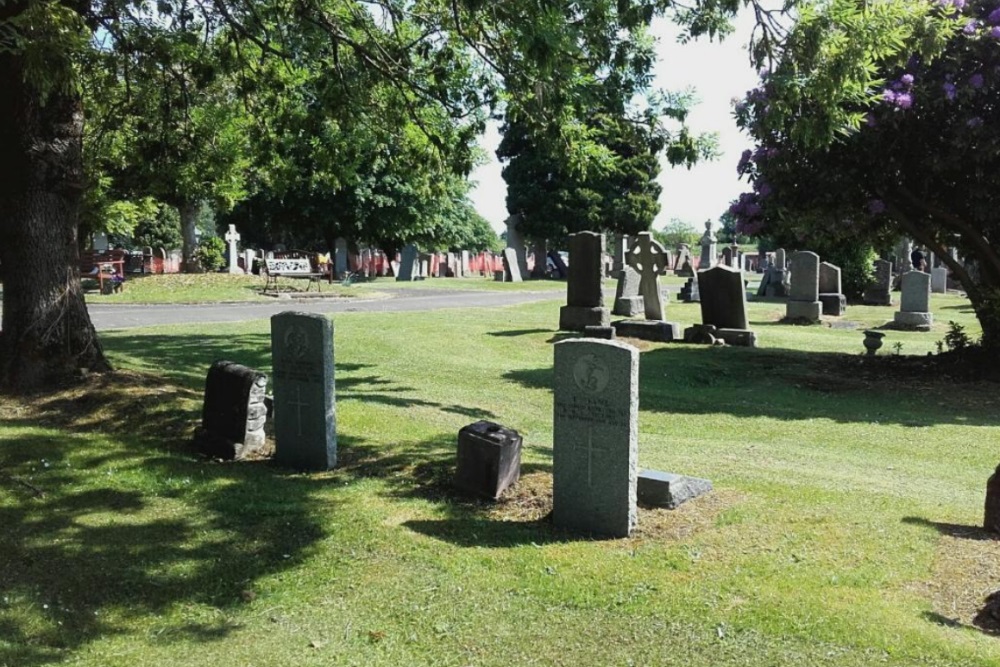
47, 336
189, 226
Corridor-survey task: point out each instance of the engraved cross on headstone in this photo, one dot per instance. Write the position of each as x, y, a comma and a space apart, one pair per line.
232, 236
590, 456
298, 404
649, 258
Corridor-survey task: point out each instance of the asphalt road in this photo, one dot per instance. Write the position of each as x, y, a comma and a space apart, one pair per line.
107, 317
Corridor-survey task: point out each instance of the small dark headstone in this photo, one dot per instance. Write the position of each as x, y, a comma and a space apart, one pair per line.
664, 489
606, 333
233, 415
991, 520
652, 330
489, 459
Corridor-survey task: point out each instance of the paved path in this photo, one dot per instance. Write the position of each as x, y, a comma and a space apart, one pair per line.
126, 316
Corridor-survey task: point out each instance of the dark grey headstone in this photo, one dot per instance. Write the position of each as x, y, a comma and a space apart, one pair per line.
627, 300
723, 297
305, 424
829, 278
665, 489
991, 517
657, 331
585, 298
233, 415
489, 459
604, 333
561, 269
408, 267
595, 436
879, 294
833, 304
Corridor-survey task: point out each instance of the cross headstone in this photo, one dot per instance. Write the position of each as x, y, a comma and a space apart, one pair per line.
649, 258
305, 423
595, 436
232, 236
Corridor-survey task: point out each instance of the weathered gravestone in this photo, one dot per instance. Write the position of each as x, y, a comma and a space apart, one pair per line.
408, 267
233, 415
683, 264
511, 269
618, 256
830, 291
233, 237
709, 248
305, 419
489, 459
516, 241
666, 489
939, 280
774, 283
627, 300
991, 517
341, 265
595, 436
539, 251
879, 293
803, 297
648, 258
585, 299
729, 255
914, 302
723, 308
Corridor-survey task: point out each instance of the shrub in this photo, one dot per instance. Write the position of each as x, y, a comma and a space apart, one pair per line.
211, 253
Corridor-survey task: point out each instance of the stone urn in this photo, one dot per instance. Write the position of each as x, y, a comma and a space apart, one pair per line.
873, 341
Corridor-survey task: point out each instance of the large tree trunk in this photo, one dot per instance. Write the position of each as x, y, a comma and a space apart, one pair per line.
47, 335
189, 226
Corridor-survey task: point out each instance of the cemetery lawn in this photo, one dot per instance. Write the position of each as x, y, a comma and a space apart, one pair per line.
203, 288
843, 528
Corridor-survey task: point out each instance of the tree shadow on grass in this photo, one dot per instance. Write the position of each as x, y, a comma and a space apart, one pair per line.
513, 333
977, 533
795, 385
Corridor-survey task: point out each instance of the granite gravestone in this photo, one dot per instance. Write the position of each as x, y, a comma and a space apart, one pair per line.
709, 250
341, 263
914, 302
647, 257
618, 258
803, 297
233, 415
408, 267
595, 436
879, 294
516, 241
939, 280
723, 308
489, 459
585, 298
683, 265
305, 423
232, 237
539, 250
830, 292
511, 269
991, 516
627, 300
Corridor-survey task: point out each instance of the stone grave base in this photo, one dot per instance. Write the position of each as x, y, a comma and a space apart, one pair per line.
918, 321
657, 331
499, 276
605, 333
215, 446
833, 304
708, 334
991, 518
689, 292
803, 310
489, 459
629, 306
576, 318
665, 489
776, 291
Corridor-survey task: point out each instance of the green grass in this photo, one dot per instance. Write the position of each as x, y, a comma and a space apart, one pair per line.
843, 515
202, 288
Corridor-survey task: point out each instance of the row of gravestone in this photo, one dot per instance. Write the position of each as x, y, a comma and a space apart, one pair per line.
723, 305
596, 481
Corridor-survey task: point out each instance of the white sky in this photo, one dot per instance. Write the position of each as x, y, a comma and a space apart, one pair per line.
718, 73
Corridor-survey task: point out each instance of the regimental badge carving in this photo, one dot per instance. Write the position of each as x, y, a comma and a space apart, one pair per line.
590, 374
296, 342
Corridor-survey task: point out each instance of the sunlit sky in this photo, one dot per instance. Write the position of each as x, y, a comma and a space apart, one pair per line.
718, 73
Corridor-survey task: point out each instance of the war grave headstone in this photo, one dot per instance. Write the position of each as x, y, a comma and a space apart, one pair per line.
305, 421
585, 299
879, 293
232, 237
939, 280
723, 309
408, 267
803, 297
914, 302
830, 291
233, 415
511, 269
488, 460
595, 436
648, 258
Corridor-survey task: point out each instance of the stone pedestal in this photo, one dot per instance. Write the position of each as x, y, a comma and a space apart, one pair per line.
657, 331
833, 304
576, 318
489, 459
804, 310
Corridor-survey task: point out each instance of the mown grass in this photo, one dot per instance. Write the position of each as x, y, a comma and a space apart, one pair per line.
202, 288
842, 529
